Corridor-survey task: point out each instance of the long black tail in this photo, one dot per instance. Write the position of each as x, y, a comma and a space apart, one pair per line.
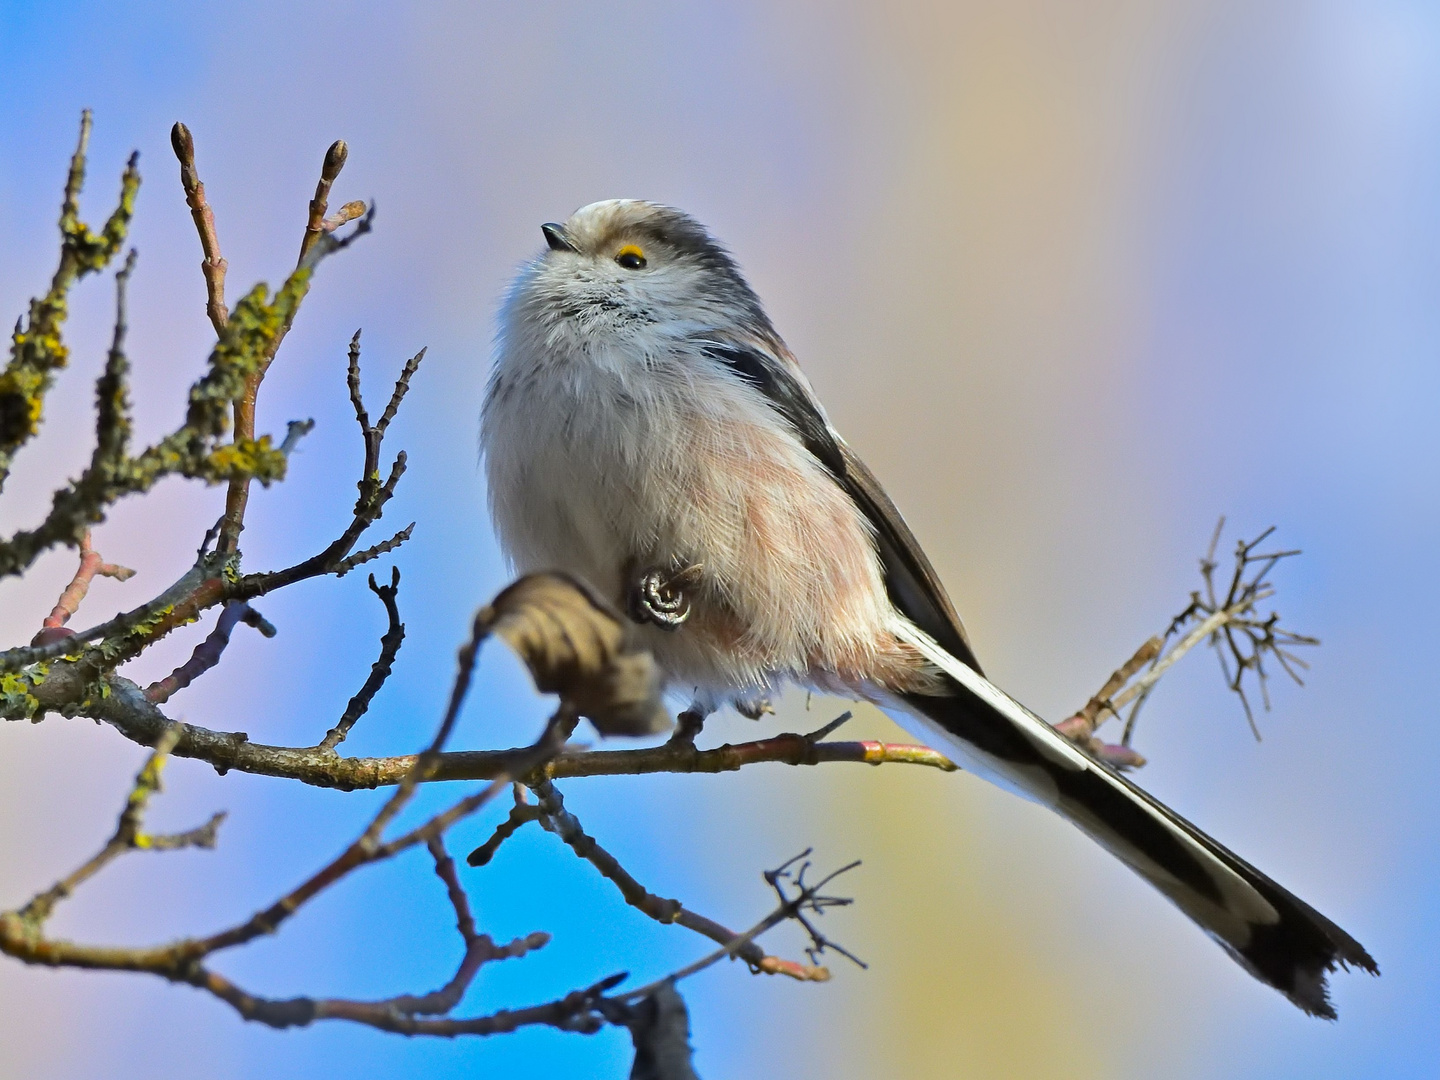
1277, 937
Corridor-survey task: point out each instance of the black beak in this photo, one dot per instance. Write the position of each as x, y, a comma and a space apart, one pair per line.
556, 238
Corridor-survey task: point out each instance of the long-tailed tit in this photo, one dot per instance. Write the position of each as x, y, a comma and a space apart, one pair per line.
646, 428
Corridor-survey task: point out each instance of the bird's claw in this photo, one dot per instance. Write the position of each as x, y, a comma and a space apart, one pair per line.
661, 596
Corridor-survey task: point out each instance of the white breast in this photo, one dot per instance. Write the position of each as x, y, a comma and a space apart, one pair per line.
603, 456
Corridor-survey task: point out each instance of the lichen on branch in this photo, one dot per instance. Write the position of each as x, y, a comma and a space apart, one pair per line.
37, 349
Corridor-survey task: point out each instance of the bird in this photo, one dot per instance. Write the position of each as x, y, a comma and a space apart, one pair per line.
646, 429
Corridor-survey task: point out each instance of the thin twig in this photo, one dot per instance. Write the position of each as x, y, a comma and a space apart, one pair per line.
555, 818
295, 430
128, 835
390, 643
112, 395
374, 551
207, 654
480, 948
519, 815
329, 170
373, 495
1228, 621
91, 567
791, 907
213, 266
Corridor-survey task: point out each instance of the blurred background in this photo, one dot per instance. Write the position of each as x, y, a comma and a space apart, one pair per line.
1075, 279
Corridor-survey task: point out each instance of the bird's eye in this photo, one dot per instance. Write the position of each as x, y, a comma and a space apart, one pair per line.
631, 257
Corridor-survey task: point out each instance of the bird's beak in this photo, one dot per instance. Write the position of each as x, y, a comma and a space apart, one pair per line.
556, 238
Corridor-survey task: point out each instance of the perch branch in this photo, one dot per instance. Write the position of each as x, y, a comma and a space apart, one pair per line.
126, 709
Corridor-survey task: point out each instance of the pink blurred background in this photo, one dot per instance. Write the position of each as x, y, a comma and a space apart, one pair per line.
1075, 279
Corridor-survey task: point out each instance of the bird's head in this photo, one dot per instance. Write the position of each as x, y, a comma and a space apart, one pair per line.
627, 267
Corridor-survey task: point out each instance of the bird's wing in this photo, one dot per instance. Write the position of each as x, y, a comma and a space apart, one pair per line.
911, 581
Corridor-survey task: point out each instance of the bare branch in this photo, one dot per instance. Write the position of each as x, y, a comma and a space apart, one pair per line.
21, 931
809, 898
390, 643
213, 266
1228, 621
91, 566
128, 836
207, 654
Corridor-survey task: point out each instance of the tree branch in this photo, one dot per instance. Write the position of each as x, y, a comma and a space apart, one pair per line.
207, 654
213, 266
390, 644
1228, 621
37, 349
91, 567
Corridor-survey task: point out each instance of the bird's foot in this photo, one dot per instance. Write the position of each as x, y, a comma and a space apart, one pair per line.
688, 725
662, 597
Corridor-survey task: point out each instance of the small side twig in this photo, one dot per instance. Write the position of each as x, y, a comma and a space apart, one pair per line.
91, 567
374, 551
522, 813
373, 494
390, 643
480, 949
207, 654
1227, 620
809, 898
295, 430
317, 224
129, 835
112, 391
213, 266
555, 818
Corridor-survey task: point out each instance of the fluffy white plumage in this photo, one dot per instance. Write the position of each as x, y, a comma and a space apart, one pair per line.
614, 441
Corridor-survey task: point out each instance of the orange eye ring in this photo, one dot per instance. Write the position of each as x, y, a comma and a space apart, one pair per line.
630, 257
